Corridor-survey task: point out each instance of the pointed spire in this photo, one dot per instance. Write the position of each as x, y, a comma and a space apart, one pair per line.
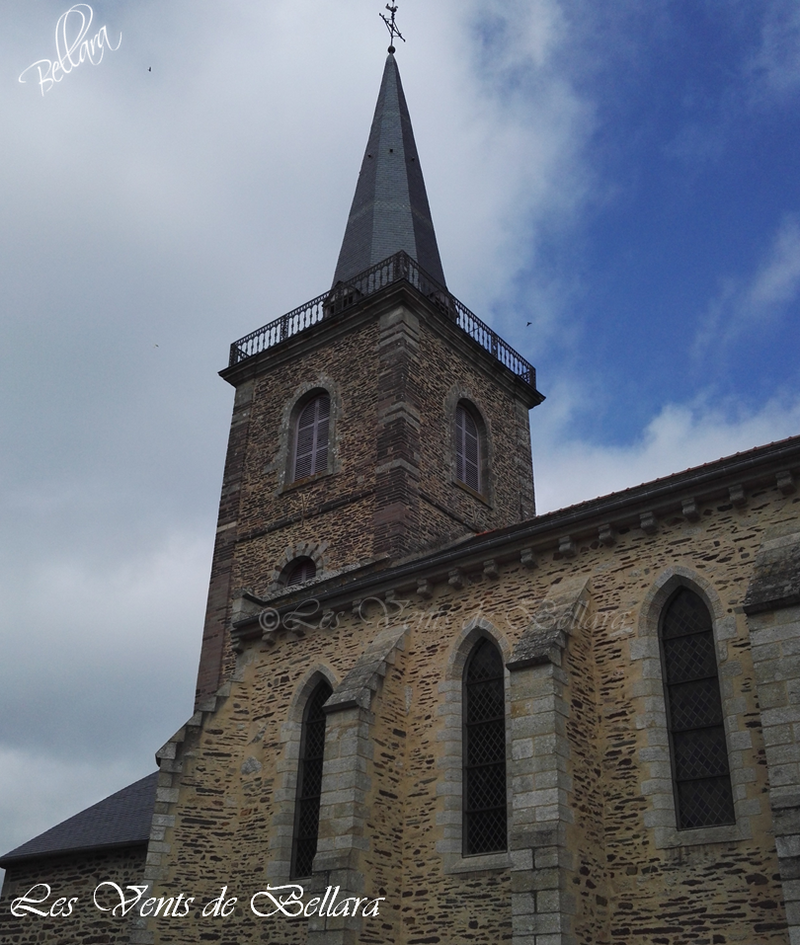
390, 209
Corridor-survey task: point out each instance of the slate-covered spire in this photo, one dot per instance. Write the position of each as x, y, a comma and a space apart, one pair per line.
390, 209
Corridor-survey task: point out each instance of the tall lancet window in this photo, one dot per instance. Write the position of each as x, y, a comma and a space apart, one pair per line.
309, 782
485, 809
468, 449
311, 438
703, 794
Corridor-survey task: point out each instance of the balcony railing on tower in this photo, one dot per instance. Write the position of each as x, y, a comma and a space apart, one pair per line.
346, 294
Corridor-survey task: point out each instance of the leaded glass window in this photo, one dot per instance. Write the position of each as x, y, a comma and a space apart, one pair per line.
703, 793
468, 449
309, 782
485, 809
311, 438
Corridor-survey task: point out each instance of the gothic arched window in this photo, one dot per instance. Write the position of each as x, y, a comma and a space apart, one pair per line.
700, 772
311, 438
309, 782
469, 448
299, 570
485, 806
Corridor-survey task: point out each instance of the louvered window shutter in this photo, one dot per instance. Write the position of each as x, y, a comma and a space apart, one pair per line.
311, 440
303, 569
468, 449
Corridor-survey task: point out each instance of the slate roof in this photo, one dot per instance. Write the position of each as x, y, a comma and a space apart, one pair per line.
123, 819
390, 210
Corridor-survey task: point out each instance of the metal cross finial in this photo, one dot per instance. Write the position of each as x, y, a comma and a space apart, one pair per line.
391, 25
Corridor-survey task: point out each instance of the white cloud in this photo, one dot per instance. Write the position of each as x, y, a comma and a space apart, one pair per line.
746, 304
776, 63
777, 281
183, 207
191, 187
519, 34
186, 206
97, 672
503, 149
680, 436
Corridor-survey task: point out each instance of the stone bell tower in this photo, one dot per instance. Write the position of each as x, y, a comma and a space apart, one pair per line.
380, 419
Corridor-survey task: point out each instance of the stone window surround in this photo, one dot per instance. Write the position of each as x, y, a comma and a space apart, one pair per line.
655, 758
284, 459
307, 549
450, 782
459, 394
285, 797
288, 573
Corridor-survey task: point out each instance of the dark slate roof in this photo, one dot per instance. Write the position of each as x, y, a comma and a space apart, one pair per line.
123, 819
390, 209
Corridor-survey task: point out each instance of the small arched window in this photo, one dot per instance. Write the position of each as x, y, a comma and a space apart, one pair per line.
700, 772
485, 806
301, 569
311, 438
469, 449
309, 782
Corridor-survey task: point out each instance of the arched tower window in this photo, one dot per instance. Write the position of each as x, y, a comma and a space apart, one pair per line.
469, 448
301, 569
309, 782
311, 438
485, 807
700, 772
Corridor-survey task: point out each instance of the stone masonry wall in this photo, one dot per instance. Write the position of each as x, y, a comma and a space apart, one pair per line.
76, 875
774, 617
275, 512
595, 856
445, 377
390, 488
588, 882
214, 650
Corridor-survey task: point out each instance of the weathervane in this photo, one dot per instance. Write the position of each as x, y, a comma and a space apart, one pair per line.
391, 25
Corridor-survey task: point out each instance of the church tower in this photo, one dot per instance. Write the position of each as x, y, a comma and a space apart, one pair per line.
575, 728
378, 420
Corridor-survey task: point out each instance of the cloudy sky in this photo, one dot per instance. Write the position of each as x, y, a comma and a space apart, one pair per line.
623, 175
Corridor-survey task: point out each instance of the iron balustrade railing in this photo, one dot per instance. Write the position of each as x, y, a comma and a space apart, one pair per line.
345, 294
